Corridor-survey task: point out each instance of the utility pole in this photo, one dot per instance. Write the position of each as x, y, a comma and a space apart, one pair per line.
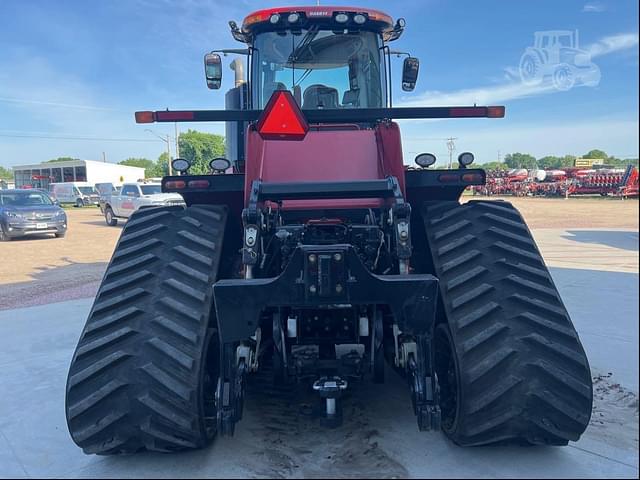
104, 157
168, 141
499, 156
169, 152
177, 142
451, 146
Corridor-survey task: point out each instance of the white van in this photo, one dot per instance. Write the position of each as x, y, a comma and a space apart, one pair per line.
77, 193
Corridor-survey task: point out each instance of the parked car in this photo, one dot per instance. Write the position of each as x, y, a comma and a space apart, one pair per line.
30, 212
77, 193
105, 191
135, 196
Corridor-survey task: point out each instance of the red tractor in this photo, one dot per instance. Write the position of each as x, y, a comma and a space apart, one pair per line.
312, 252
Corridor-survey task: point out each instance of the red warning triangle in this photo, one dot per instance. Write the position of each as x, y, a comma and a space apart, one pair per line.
282, 119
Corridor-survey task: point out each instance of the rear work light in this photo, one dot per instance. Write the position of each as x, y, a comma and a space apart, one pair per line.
282, 119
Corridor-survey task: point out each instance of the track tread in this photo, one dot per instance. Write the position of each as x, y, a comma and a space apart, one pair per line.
524, 376
135, 378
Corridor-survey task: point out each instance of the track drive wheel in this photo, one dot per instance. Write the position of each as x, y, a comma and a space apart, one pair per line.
144, 373
510, 365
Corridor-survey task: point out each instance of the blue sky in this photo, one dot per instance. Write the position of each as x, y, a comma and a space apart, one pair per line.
73, 69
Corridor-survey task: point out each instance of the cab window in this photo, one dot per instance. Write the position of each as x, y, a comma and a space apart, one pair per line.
321, 68
130, 191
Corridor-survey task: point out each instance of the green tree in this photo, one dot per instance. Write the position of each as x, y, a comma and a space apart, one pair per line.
520, 160
150, 167
494, 166
550, 161
62, 159
596, 154
200, 148
567, 161
6, 173
162, 165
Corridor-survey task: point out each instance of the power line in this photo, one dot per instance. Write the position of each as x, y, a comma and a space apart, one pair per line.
62, 137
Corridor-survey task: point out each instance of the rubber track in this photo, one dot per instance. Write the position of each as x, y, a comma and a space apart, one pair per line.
135, 379
524, 376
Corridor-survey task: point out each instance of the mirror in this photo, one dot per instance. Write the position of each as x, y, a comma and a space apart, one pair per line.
425, 159
213, 70
410, 73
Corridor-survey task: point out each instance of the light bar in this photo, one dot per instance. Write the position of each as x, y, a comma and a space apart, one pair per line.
327, 115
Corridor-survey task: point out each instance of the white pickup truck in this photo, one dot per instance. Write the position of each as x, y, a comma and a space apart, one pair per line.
134, 196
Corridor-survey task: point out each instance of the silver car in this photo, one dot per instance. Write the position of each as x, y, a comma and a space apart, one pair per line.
30, 212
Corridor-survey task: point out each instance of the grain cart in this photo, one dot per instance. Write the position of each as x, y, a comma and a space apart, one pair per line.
313, 252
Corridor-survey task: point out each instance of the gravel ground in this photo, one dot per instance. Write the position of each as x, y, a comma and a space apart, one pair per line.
41, 270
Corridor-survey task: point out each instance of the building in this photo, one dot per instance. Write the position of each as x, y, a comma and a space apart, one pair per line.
587, 162
42, 174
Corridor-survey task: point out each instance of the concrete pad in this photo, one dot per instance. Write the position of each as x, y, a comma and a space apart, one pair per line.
279, 436
613, 250
604, 309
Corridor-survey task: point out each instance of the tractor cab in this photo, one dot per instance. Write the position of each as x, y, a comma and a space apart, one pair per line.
322, 59
327, 57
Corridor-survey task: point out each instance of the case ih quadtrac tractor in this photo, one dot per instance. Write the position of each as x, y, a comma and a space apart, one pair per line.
313, 252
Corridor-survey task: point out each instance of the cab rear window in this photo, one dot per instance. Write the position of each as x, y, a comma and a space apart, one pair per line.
150, 189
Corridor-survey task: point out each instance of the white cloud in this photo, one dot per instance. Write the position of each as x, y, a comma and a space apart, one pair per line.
613, 43
490, 95
593, 7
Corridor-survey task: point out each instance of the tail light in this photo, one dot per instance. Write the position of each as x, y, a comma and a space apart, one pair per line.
175, 184
198, 184
472, 178
449, 177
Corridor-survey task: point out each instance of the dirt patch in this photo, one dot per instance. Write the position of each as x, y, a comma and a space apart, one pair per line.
89, 240
44, 269
614, 419
577, 212
296, 444
47, 269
